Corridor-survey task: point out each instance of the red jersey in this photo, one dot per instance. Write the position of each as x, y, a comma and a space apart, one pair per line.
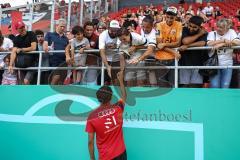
107, 122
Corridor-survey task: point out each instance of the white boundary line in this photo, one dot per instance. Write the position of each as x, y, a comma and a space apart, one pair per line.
196, 128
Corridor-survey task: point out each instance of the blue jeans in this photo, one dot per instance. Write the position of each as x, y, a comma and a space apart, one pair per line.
222, 79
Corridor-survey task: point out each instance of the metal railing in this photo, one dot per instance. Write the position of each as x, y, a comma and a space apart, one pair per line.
176, 67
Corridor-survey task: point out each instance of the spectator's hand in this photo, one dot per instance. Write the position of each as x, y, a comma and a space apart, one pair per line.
177, 55
228, 43
46, 50
81, 51
183, 48
160, 46
132, 49
69, 60
10, 69
109, 69
134, 61
216, 47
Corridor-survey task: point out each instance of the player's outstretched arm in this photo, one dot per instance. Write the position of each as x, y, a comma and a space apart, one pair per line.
120, 76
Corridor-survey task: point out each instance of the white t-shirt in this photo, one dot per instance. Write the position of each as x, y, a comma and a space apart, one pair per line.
104, 40
208, 10
80, 59
224, 55
7, 44
9, 78
151, 37
79, 44
137, 40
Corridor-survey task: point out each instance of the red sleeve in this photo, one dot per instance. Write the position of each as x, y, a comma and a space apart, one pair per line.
89, 127
120, 104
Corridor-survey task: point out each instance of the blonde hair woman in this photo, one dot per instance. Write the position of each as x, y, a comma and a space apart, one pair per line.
222, 40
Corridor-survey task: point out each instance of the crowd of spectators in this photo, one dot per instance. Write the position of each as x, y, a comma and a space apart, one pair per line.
140, 40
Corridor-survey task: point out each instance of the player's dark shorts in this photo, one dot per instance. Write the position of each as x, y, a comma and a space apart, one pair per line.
122, 156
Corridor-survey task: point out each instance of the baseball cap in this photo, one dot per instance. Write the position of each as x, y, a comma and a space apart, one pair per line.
114, 24
172, 10
19, 25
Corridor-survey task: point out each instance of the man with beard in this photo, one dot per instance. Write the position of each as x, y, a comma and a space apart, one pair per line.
92, 60
169, 37
192, 36
24, 43
108, 41
149, 33
45, 57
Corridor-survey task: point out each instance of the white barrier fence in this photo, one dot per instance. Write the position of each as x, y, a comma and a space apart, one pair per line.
176, 67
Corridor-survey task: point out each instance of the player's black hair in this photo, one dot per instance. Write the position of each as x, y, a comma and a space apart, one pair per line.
104, 94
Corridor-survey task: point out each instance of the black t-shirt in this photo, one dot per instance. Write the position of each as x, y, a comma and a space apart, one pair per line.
129, 15
193, 57
147, 12
25, 41
217, 13
11, 36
